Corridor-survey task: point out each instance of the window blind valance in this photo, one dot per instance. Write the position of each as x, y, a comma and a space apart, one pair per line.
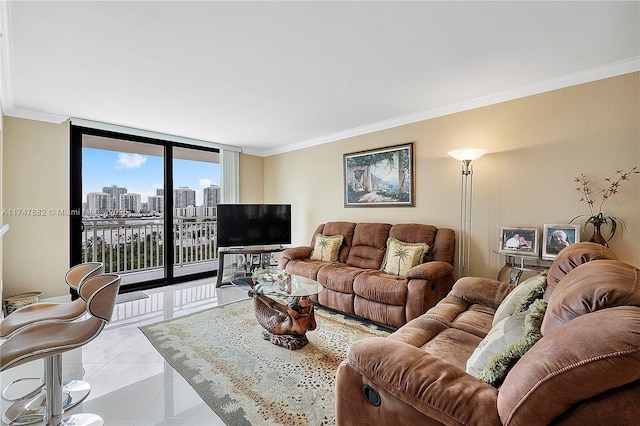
149, 134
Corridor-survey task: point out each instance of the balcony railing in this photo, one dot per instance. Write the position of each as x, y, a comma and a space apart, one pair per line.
136, 245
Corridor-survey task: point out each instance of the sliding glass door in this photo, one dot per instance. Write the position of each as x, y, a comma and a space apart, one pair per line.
196, 194
148, 207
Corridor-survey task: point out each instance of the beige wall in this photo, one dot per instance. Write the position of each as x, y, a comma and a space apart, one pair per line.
35, 170
251, 179
537, 145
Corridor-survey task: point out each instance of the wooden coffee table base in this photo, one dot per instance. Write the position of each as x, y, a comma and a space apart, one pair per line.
285, 325
286, 341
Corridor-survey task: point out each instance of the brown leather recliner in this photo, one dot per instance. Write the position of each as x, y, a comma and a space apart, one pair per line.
584, 370
355, 285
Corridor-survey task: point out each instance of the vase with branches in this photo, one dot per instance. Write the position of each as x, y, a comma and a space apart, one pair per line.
597, 217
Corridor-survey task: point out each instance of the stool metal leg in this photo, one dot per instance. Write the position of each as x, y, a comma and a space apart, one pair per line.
28, 411
53, 387
37, 383
55, 399
48, 407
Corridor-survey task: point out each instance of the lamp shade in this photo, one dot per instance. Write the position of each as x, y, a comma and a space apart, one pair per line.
469, 154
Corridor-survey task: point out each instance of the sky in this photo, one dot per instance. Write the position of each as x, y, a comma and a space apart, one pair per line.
142, 174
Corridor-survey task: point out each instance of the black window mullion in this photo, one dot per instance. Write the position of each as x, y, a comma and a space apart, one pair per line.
169, 246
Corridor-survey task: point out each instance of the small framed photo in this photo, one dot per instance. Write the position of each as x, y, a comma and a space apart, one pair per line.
519, 241
557, 237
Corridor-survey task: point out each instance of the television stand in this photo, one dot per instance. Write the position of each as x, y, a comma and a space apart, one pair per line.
220, 281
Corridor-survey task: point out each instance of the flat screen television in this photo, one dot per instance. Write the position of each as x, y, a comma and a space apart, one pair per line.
241, 225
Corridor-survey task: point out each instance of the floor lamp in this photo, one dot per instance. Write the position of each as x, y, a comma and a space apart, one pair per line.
464, 241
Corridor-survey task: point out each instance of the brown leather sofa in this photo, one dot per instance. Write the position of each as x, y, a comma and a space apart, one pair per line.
584, 370
355, 285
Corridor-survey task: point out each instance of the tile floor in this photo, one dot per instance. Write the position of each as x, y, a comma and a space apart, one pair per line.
131, 384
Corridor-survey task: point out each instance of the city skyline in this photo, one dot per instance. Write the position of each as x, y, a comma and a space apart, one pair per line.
143, 174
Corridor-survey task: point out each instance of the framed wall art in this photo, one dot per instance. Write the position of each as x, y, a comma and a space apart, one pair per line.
381, 177
519, 241
557, 237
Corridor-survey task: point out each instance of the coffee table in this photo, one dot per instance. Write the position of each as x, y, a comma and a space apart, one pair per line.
284, 325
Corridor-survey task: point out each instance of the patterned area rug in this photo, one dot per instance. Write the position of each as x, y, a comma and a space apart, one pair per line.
247, 380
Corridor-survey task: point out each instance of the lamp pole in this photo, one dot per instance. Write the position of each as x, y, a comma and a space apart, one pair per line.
466, 195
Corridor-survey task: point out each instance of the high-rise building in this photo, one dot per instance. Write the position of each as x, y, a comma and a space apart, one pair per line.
184, 197
130, 202
115, 192
156, 203
211, 196
98, 203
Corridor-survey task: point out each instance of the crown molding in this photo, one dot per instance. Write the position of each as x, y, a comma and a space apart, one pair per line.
586, 76
35, 115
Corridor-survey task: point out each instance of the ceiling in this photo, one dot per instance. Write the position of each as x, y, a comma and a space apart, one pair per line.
272, 76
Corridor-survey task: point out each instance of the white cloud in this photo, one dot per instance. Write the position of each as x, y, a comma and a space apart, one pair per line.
205, 183
130, 161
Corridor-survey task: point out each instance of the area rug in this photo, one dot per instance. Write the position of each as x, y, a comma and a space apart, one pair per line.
247, 380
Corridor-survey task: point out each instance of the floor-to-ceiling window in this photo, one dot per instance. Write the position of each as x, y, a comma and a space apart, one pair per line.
148, 207
196, 194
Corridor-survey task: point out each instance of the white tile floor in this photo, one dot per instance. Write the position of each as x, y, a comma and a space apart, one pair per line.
131, 384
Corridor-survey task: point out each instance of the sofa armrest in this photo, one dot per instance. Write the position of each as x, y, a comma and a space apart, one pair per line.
430, 384
301, 252
430, 271
483, 291
293, 253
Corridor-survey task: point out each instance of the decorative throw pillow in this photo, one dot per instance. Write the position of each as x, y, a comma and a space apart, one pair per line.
521, 297
401, 256
506, 343
326, 248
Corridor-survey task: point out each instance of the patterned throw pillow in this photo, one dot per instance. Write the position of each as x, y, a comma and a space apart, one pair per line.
506, 343
521, 297
326, 248
401, 256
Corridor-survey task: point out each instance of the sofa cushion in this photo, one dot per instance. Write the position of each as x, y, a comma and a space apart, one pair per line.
507, 342
304, 267
380, 287
369, 245
472, 318
521, 297
381, 313
326, 248
599, 284
401, 256
338, 277
432, 336
345, 229
416, 233
572, 257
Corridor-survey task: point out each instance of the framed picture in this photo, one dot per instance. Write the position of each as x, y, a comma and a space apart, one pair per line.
557, 237
519, 241
381, 177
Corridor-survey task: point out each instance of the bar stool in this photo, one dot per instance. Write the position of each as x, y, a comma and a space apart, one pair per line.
75, 390
49, 339
67, 311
